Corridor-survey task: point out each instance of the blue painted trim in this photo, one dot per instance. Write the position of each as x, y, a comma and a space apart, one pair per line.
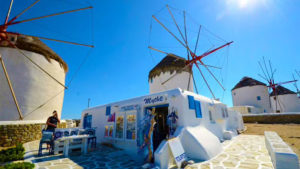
108, 110
87, 121
198, 109
191, 102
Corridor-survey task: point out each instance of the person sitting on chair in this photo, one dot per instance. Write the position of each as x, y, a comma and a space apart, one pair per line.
52, 122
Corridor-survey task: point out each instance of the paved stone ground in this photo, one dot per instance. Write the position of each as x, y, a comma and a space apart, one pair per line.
243, 152
102, 157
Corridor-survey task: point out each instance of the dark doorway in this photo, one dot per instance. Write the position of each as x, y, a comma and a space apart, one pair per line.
161, 129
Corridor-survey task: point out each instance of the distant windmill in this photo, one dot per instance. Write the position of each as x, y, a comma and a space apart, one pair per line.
295, 84
8, 38
268, 75
193, 59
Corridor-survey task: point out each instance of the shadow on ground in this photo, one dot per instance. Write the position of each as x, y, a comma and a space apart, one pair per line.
102, 157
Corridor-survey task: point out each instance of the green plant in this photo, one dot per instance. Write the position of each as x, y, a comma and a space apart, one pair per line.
12, 154
21, 165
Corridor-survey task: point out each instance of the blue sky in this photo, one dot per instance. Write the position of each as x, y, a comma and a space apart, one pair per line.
117, 68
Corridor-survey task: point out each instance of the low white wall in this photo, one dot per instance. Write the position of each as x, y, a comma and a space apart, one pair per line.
282, 156
22, 122
273, 114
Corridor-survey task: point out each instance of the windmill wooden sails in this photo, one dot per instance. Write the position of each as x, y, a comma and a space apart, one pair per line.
24, 50
295, 83
193, 60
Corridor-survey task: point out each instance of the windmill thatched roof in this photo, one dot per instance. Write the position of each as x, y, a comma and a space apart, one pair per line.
247, 81
282, 91
36, 45
170, 63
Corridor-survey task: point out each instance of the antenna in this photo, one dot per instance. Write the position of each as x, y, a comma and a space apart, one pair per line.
89, 100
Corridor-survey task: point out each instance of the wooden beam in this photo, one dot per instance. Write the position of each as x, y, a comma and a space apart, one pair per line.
11, 88
8, 12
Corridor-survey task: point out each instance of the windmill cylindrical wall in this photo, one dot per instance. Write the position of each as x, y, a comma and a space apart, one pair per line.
287, 103
181, 80
38, 94
257, 96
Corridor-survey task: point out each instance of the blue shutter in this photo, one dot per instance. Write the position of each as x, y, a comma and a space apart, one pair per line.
108, 108
191, 102
87, 121
198, 109
84, 122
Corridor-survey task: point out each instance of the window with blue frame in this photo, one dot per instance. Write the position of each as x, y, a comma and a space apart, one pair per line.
258, 98
195, 105
87, 121
198, 109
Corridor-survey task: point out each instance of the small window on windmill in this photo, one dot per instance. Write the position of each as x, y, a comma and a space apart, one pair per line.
249, 110
13, 39
151, 80
258, 98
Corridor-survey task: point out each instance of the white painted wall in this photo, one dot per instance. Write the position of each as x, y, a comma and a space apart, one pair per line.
288, 102
247, 96
236, 121
187, 120
32, 86
181, 80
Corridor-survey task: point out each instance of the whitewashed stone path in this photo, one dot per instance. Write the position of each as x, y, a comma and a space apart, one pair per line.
243, 152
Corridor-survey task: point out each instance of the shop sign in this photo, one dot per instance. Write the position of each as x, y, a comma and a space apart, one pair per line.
155, 100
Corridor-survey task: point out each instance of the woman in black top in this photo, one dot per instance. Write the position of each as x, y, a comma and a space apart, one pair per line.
52, 122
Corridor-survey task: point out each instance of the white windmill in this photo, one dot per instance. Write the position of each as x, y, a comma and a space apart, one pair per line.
32, 74
174, 71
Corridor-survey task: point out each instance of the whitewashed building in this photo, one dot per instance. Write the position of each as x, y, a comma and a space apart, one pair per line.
199, 124
33, 88
288, 101
251, 92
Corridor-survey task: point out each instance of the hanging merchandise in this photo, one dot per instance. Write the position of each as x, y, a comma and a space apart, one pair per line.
172, 121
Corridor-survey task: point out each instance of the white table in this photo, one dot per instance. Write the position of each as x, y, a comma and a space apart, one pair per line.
67, 140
